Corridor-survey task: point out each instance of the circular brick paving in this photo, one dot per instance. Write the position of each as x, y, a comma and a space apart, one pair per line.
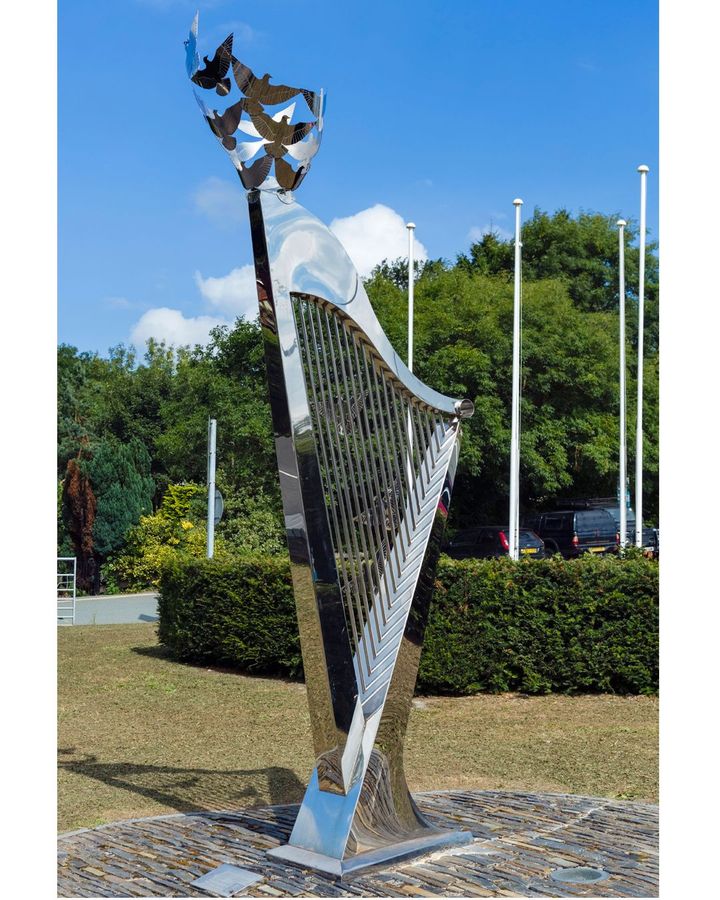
520, 839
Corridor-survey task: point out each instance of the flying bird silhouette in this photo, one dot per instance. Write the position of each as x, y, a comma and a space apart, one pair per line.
260, 89
279, 132
254, 175
224, 125
216, 69
286, 176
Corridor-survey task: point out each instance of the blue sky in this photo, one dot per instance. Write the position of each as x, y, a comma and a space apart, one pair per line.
440, 112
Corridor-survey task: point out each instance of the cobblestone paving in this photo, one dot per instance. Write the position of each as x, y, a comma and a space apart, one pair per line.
519, 840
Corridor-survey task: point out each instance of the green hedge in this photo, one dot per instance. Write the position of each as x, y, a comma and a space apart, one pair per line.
553, 625
240, 613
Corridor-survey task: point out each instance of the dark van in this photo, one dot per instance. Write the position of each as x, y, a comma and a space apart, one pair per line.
650, 536
575, 531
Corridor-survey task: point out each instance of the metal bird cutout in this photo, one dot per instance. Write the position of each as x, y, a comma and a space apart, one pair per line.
224, 125
274, 133
260, 89
280, 133
213, 75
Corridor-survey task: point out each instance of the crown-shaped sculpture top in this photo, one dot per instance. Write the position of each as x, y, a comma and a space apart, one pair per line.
274, 135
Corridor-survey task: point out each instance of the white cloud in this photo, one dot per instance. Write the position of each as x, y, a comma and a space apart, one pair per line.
476, 234
234, 293
171, 326
369, 237
373, 235
221, 201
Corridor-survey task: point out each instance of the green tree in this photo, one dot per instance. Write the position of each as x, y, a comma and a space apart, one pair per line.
120, 477
396, 271
226, 381
79, 508
463, 346
80, 391
156, 406
582, 251
177, 527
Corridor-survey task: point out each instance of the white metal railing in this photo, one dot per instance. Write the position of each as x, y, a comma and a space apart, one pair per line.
66, 589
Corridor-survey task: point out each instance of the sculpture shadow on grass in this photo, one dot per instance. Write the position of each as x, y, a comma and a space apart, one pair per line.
193, 790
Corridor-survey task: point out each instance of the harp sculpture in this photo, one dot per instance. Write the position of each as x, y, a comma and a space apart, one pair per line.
366, 455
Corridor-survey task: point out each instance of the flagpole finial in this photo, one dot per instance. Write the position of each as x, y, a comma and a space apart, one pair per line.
643, 168
621, 223
517, 202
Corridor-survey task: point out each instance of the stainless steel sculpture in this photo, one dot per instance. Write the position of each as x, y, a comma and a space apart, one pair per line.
366, 456
274, 136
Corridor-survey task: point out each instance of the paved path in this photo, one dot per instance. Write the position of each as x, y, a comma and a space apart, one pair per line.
116, 609
519, 840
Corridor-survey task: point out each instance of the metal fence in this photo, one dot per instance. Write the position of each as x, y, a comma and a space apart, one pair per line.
66, 589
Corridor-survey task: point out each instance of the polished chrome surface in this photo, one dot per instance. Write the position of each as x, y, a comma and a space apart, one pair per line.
373, 859
226, 880
366, 456
277, 136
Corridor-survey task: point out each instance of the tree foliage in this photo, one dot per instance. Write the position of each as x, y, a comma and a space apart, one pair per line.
583, 253
177, 527
126, 424
569, 384
121, 480
79, 508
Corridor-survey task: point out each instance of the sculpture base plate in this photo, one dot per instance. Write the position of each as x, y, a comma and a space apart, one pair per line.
382, 856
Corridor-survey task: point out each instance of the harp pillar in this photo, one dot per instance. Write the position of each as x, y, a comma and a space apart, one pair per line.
366, 458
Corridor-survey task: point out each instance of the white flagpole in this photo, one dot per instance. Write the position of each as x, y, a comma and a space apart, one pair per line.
622, 501
643, 170
411, 290
411, 333
514, 536
212, 431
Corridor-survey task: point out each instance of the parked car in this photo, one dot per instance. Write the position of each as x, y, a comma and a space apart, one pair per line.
650, 536
488, 541
572, 532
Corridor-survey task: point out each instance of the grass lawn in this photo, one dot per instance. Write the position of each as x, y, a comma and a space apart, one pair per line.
141, 735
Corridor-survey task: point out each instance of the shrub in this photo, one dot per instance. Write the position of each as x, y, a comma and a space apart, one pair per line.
239, 612
582, 625
253, 525
177, 528
553, 625
250, 526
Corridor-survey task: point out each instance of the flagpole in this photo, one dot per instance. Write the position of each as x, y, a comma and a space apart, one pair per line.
411, 333
643, 170
514, 525
411, 291
622, 501
212, 431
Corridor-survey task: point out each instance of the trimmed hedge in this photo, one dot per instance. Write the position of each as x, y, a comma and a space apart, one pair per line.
582, 625
240, 613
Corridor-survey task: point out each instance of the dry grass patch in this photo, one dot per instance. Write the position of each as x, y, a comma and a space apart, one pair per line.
141, 735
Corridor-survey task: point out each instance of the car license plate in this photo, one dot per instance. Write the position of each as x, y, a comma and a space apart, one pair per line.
528, 550
596, 549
